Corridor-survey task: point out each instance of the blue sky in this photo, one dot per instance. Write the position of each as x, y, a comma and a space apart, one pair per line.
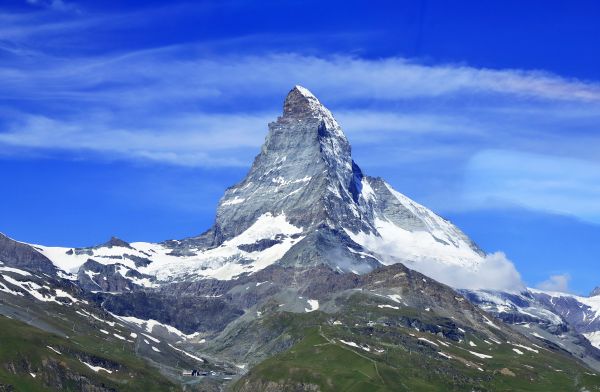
132, 119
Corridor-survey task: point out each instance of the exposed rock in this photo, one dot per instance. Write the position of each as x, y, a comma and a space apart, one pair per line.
19, 255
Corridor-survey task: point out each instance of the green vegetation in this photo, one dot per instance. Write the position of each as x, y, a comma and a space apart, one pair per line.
24, 352
367, 348
331, 365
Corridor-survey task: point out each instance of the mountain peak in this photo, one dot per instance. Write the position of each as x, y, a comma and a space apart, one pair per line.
114, 241
301, 102
304, 91
595, 292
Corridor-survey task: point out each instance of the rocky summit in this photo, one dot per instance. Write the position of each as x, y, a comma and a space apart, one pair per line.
307, 281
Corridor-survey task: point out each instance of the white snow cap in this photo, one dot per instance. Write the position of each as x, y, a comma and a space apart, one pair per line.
304, 91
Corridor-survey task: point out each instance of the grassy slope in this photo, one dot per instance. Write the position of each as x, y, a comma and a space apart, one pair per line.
334, 366
23, 350
398, 360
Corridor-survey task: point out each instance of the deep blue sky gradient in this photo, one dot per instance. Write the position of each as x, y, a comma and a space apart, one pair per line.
76, 72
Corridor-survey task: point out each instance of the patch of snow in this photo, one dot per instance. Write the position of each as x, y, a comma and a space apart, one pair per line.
63, 294
480, 355
32, 289
533, 350
5, 289
95, 368
489, 322
55, 350
150, 325
15, 270
367, 191
388, 306
592, 337
428, 341
186, 353
234, 201
352, 344
313, 305
518, 351
155, 349
151, 338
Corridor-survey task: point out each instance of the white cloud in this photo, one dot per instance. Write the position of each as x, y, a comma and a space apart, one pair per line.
495, 272
558, 283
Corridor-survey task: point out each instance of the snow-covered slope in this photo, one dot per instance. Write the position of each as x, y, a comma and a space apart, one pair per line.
581, 312
569, 321
240, 254
416, 236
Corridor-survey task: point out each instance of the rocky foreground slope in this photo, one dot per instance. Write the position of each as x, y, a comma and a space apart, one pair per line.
307, 281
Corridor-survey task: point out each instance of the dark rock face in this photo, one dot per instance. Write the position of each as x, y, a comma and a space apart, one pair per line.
259, 245
187, 313
19, 255
139, 261
329, 247
93, 276
114, 241
56, 376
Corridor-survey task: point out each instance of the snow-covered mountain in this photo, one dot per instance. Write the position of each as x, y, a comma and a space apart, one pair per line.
304, 202
305, 239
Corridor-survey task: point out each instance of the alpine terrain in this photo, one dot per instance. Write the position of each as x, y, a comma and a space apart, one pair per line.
314, 277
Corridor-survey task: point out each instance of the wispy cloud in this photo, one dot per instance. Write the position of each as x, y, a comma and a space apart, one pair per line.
57, 5
137, 88
192, 140
558, 283
185, 72
541, 182
189, 106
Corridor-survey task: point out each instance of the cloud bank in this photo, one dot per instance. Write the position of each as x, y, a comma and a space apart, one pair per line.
495, 272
